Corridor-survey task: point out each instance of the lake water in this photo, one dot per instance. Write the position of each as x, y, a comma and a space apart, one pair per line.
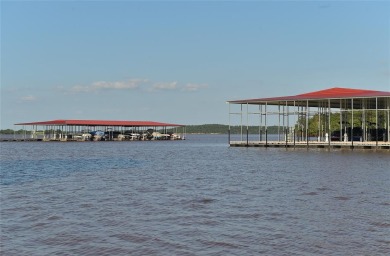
192, 197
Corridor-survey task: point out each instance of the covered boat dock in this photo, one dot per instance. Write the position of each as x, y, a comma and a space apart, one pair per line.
330, 118
101, 130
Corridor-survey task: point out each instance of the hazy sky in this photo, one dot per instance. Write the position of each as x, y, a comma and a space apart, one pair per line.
180, 62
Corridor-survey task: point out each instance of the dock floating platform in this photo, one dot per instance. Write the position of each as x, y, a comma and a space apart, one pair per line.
311, 145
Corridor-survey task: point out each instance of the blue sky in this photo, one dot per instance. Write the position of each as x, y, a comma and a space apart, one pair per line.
180, 62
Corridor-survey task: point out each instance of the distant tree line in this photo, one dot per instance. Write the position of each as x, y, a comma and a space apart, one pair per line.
320, 122
22, 131
10, 131
316, 124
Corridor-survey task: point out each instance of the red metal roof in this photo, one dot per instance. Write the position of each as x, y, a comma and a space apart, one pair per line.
332, 93
102, 123
337, 92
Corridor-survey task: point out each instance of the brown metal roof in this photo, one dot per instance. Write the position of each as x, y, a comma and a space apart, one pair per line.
102, 123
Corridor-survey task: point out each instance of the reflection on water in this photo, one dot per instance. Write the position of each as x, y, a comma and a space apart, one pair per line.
192, 197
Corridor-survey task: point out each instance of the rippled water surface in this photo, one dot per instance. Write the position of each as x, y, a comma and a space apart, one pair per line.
193, 197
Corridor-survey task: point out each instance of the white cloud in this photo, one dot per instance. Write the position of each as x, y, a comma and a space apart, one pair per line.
104, 85
172, 86
134, 84
79, 88
28, 98
190, 87
164, 86
131, 84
